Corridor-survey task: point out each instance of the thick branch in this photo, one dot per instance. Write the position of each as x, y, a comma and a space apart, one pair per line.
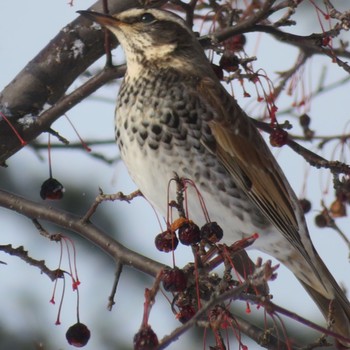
46, 78
85, 229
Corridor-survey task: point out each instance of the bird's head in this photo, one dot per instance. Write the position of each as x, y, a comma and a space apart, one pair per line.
151, 37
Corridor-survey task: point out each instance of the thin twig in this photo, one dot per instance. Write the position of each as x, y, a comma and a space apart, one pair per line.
40, 264
110, 197
118, 271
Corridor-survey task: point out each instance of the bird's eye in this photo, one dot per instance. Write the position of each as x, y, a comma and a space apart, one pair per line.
147, 18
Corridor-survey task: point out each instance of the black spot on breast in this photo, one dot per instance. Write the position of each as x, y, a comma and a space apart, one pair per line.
156, 129
167, 138
153, 145
143, 134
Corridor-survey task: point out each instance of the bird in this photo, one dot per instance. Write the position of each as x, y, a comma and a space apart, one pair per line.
174, 115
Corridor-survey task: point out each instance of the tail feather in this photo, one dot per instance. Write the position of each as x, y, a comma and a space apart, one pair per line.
335, 307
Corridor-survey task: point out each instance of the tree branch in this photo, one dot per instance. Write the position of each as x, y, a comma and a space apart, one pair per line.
47, 77
86, 230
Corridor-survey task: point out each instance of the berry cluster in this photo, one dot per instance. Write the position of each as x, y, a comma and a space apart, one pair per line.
194, 285
188, 233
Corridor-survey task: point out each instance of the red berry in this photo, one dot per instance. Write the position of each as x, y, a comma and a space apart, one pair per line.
278, 137
51, 189
235, 43
211, 232
166, 241
185, 313
174, 280
228, 62
145, 339
189, 233
78, 335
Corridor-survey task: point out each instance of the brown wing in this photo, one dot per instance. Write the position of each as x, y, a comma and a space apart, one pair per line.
245, 155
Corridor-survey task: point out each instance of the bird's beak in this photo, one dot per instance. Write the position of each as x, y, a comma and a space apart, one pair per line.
101, 18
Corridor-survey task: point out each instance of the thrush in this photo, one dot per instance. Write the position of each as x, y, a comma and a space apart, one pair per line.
173, 115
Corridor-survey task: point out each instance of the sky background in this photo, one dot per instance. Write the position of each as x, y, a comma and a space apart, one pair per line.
25, 28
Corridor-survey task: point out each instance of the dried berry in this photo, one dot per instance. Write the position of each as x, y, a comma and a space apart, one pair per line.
211, 232
78, 335
166, 241
321, 221
174, 280
145, 339
51, 189
278, 137
185, 313
189, 233
228, 62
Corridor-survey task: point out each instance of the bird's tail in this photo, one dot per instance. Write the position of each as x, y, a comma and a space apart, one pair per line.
335, 308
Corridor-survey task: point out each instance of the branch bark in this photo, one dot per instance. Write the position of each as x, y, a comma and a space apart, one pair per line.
46, 78
85, 229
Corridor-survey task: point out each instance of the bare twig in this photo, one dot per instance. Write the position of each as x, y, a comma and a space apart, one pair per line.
118, 271
285, 76
110, 197
40, 264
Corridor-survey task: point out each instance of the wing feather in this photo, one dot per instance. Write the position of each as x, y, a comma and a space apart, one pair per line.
245, 155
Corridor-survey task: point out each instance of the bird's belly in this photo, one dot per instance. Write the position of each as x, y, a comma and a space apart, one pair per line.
152, 171
157, 137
